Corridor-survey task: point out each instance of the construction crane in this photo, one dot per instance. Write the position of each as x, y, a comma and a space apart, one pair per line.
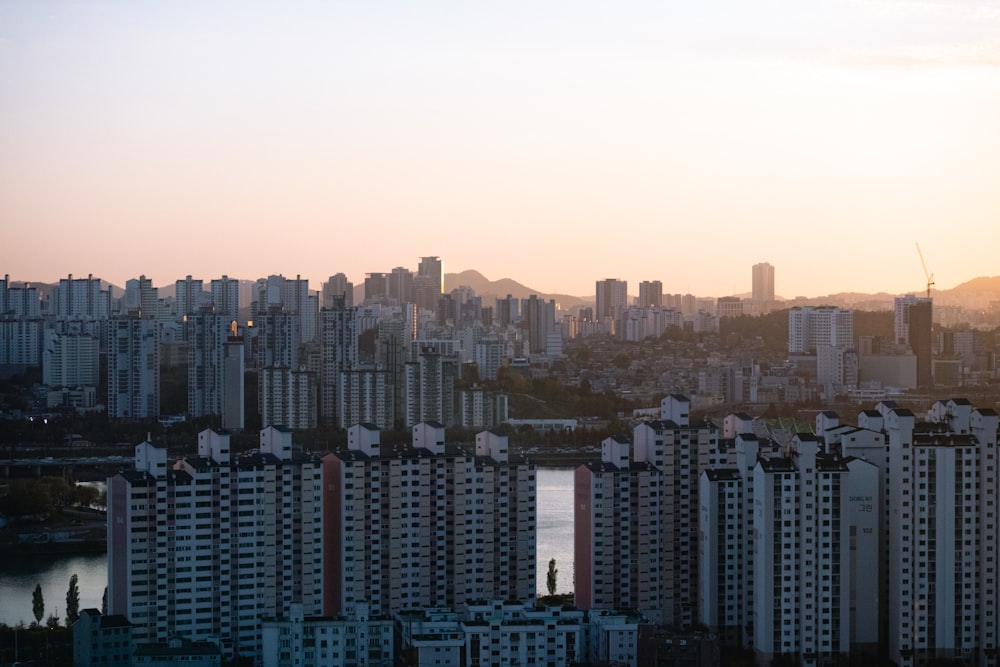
929, 276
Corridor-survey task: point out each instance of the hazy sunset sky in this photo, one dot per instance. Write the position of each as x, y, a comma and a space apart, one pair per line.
556, 143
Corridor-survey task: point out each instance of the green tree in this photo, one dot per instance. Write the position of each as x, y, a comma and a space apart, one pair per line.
550, 579
72, 601
38, 603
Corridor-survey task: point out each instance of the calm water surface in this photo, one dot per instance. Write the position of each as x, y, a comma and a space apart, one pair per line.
18, 577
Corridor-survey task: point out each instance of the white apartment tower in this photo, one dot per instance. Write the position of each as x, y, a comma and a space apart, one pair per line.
82, 298
812, 328
617, 532
189, 296
133, 369
209, 546
226, 296
429, 390
943, 528
206, 334
338, 354
790, 547
425, 524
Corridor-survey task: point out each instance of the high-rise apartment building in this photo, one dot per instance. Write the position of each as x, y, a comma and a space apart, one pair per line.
133, 369
763, 284
206, 335
289, 397
617, 532
141, 299
364, 396
805, 522
213, 544
650, 294
81, 298
913, 322
812, 328
429, 390
189, 296
338, 354
672, 452
426, 524
612, 299
226, 296
943, 531
337, 292
70, 360
540, 318
680, 450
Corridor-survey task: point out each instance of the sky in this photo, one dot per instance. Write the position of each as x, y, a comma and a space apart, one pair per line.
556, 143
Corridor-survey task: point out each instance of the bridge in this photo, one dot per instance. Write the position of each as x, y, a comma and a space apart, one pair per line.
78, 469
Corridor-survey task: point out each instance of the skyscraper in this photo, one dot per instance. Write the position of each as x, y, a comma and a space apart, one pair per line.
612, 301
430, 267
913, 324
763, 285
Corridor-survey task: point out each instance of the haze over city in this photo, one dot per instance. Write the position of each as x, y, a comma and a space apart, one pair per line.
554, 144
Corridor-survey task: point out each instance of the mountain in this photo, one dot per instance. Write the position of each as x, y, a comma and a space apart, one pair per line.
498, 289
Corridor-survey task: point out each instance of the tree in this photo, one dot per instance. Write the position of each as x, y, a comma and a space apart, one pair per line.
550, 581
72, 601
38, 603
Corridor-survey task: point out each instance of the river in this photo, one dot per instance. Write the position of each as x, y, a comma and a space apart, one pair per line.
18, 577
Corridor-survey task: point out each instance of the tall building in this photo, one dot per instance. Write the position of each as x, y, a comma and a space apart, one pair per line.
206, 335
288, 397
226, 296
429, 283
430, 386
210, 546
612, 299
617, 532
376, 288
645, 497
141, 298
762, 292
133, 369
364, 396
338, 354
426, 524
901, 315
943, 531
81, 298
650, 294
189, 295
812, 328
806, 522
680, 450
70, 360
338, 291
234, 391
540, 318
400, 285
729, 306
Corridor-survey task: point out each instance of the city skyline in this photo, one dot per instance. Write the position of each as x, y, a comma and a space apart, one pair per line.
554, 145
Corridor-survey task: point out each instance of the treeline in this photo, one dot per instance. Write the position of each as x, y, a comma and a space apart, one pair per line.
44, 496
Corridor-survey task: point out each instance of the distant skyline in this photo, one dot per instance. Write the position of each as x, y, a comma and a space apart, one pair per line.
556, 144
